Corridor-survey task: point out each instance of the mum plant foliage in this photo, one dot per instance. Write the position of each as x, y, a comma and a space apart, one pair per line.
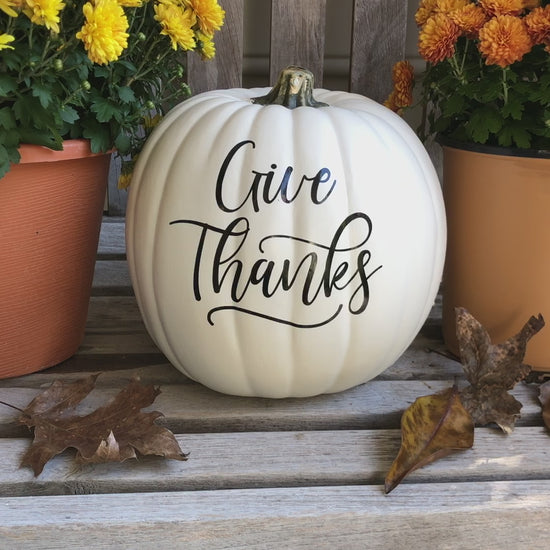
105, 70
487, 77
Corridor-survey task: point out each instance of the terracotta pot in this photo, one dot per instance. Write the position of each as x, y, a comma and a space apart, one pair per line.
498, 252
51, 207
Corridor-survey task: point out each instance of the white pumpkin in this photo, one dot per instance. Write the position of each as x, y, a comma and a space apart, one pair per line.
280, 251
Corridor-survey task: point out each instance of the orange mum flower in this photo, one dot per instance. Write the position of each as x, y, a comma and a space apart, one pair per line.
470, 19
538, 25
425, 10
438, 38
448, 6
429, 8
502, 7
403, 81
504, 40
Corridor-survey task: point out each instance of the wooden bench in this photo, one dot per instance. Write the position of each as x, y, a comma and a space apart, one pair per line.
292, 473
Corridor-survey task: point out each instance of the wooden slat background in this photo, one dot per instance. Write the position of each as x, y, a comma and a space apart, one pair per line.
378, 41
297, 37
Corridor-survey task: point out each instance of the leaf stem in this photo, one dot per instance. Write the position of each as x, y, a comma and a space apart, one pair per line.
505, 84
12, 407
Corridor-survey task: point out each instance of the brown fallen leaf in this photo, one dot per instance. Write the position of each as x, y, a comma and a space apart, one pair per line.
492, 370
113, 432
544, 398
431, 428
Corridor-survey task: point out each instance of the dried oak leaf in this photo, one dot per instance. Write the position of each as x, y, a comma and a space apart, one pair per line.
431, 428
111, 433
544, 398
492, 370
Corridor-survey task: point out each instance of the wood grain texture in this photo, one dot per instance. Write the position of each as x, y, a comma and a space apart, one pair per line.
225, 69
246, 460
191, 407
297, 37
488, 515
378, 41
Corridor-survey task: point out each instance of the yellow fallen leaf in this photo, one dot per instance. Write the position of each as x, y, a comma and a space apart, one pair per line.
431, 428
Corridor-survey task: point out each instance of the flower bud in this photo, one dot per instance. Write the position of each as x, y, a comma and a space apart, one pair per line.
149, 104
57, 65
141, 37
86, 85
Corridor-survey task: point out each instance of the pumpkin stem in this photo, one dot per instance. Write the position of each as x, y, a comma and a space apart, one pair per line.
294, 88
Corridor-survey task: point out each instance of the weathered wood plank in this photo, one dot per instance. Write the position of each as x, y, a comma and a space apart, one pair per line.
100, 343
118, 313
191, 407
378, 41
297, 37
112, 241
225, 69
280, 459
111, 278
488, 515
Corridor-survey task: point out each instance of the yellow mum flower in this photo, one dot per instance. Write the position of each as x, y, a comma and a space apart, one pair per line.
124, 180
176, 23
104, 31
44, 12
470, 19
538, 25
209, 14
5, 40
504, 40
131, 3
7, 7
150, 122
207, 47
502, 7
438, 38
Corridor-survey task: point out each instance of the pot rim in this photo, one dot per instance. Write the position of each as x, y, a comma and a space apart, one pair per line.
72, 149
445, 141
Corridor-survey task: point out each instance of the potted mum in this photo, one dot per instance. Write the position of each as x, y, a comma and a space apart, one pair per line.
485, 95
78, 79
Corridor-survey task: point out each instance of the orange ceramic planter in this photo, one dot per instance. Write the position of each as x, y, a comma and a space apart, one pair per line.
51, 206
498, 252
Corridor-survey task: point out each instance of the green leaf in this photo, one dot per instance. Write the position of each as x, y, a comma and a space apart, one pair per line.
48, 138
101, 72
8, 85
7, 120
513, 109
123, 144
483, 123
98, 134
514, 134
69, 114
4, 161
454, 105
129, 66
126, 94
43, 93
105, 109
